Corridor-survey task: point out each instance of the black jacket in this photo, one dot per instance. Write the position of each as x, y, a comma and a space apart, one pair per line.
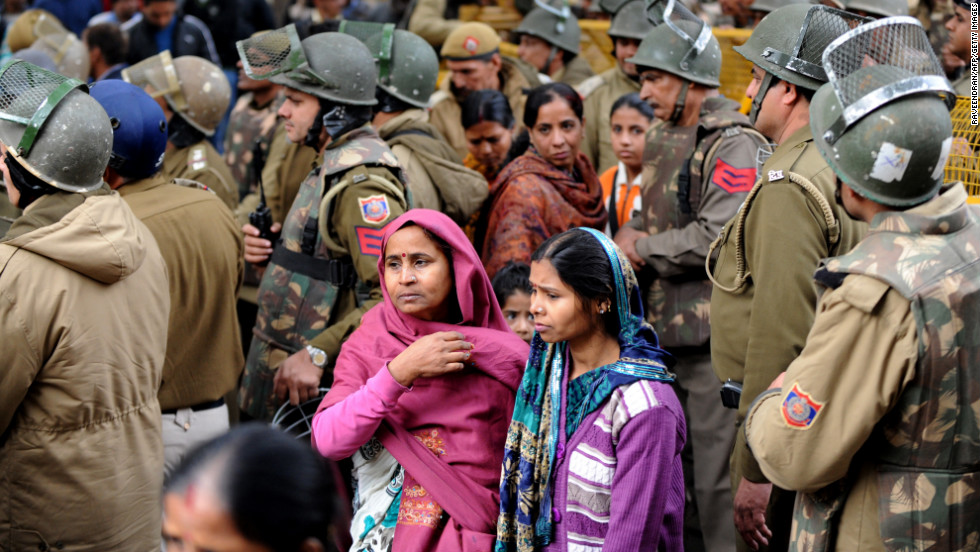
190, 38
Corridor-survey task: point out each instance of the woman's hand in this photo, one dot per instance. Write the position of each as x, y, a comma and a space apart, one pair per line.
433, 355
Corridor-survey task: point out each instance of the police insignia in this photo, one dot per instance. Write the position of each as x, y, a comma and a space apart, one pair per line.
733, 180
369, 240
374, 209
799, 410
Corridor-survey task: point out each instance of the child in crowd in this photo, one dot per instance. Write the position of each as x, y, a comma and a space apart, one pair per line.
630, 118
513, 290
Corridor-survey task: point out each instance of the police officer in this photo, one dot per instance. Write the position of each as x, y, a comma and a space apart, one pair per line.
877, 8
83, 315
472, 53
550, 42
876, 423
789, 222
331, 236
698, 165
194, 101
202, 246
960, 43
408, 68
628, 27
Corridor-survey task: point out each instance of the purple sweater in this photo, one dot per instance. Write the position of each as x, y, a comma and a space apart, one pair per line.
618, 484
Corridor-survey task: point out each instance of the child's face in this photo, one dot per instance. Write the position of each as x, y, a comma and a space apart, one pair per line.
629, 128
517, 311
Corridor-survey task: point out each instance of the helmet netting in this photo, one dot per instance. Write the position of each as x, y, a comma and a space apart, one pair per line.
271, 53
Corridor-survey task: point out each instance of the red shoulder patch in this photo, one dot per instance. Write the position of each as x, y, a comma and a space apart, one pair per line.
369, 240
733, 180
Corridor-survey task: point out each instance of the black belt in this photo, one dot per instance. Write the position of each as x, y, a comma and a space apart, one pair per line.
198, 407
340, 273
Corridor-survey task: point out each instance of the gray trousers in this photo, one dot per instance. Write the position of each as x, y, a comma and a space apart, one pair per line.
186, 428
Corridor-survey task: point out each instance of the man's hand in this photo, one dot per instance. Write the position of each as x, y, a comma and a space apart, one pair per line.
626, 240
298, 377
751, 500
258, 250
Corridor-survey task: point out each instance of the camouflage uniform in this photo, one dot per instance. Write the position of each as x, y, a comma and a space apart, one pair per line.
877, 422
600, 92
330, 241
249, 123
754, 336
202, 163
694, 179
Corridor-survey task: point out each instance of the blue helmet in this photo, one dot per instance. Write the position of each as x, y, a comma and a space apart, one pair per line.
139, 128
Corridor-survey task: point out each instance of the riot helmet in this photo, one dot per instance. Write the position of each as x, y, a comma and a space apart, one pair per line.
23, 32
556, 26
878, 8
630, 22
882, 76
408, 66
139, 128
69, 54
53, 128
767, 6
789, 42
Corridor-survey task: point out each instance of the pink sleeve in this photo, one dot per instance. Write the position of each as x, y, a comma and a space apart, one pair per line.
344, 427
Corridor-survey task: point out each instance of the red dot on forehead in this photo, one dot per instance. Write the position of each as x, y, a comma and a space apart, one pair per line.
403, 254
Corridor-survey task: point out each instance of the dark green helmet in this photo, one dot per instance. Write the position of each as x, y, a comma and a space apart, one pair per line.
683, 46
332, 66
884, 79
557, 27
630, 22
408, 67
878, 8
766, 6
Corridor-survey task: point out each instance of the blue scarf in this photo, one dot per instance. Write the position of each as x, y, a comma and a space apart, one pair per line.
525, 521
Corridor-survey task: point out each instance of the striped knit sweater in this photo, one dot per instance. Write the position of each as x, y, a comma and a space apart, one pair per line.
618, 484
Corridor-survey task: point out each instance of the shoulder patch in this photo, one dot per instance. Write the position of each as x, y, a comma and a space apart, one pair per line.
369, 240
799, 409
731, 179
374, 209
197, 158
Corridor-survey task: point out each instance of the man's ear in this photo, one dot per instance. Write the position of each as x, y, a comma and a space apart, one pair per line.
311, 545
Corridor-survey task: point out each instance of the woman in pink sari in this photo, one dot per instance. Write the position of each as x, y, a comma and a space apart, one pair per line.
422, 396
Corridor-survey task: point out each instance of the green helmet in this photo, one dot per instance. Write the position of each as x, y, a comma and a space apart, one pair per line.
332, 66
630, 22
682, 46
408, 67
878, 8
787, 44
53, 127
881, 76
557, 27
767, 6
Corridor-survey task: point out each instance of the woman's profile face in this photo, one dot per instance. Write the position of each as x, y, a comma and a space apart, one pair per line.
559, 314
557, 134
489, 142
417, 275
210, 528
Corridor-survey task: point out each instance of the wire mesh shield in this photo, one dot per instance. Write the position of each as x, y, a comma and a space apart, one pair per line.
821, 26
904, 60
271, 53
28, 94
298, 420
158, 76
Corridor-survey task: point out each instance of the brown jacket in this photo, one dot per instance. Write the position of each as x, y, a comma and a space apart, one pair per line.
83, 315
202, 163
202, 246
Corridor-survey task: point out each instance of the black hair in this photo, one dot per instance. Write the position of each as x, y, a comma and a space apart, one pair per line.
388, 103
276, 490
583, 265
633, 100
181, 133
518, 146
546, 94
31, 187
512, 278
110, 40
567, 56
805, 92
486, 106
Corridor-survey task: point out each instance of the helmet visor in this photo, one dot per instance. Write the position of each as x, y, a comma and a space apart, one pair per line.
158, 77
28, 94
269, 54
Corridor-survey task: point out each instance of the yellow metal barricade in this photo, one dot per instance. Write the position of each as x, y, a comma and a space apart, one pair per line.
597, 47
964, 155
736, 71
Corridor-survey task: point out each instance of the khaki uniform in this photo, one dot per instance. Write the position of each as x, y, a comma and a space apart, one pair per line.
428, 20
249, 123
573, 74
307, 294
600, 92
202, 163
8, 213
682, 220
445, 114
962, 86
436, 179
876, 422
754, 336
203, 248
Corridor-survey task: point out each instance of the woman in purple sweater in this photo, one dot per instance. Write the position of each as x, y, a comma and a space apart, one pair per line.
592, 460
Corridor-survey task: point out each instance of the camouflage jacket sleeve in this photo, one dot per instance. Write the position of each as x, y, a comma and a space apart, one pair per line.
782, 264
858, 358
682, 250
360, 234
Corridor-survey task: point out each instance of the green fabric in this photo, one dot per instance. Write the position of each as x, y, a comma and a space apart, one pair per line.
585, 394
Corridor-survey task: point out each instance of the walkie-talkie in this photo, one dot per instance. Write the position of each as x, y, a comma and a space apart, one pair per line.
261, 217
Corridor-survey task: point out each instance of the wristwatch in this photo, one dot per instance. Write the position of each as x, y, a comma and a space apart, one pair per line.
317, 356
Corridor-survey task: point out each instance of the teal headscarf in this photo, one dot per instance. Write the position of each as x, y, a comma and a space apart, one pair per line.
525, 521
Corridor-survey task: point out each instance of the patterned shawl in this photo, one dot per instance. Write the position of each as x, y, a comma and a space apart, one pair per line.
525, 521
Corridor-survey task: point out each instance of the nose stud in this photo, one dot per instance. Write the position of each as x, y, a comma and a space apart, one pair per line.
415, 278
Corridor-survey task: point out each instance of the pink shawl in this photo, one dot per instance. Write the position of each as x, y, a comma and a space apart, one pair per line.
461, 418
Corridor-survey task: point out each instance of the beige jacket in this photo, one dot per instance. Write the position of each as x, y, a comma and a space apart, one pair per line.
83, 315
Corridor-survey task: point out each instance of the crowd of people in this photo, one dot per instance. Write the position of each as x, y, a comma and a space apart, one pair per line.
278, 277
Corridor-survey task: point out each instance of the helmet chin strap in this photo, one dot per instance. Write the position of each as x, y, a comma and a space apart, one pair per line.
759, 96
547, 63
679, 104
